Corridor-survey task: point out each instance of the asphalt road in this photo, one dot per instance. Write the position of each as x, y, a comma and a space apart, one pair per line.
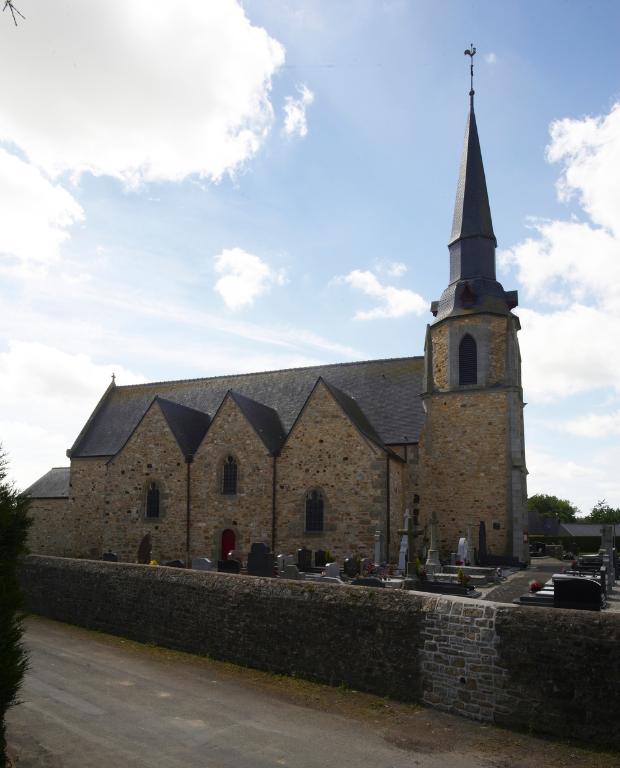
94, 701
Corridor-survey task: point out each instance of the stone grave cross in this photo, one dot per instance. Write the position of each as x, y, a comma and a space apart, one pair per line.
433, 564
412, 531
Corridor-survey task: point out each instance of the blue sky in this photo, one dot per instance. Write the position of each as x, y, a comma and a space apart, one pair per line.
196, 188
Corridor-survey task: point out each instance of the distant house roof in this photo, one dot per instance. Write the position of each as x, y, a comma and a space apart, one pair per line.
386, 391
53, 485
583, 529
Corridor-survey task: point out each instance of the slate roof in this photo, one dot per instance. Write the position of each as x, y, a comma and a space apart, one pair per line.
583, 529
187, 424
265, 421
53, 485
472, 212
386, 391
354, 412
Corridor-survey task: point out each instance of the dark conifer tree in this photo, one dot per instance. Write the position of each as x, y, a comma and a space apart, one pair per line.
14, 523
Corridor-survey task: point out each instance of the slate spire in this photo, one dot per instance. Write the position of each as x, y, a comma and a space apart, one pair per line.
473, 286
472, 213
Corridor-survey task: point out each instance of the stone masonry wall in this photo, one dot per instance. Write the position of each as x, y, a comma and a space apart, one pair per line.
51, 532
86, 506
547, 670
150, 455
497, 330
464, 466
248, 512
326, 452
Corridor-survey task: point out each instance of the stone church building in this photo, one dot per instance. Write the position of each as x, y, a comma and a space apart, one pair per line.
324, 456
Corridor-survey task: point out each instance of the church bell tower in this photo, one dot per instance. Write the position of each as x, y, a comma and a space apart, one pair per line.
472, 455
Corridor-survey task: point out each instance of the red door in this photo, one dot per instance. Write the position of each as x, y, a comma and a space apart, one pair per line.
228, 543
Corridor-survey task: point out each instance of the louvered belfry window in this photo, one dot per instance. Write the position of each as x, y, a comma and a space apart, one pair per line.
314, 511
468, 360
152, 501
229, 481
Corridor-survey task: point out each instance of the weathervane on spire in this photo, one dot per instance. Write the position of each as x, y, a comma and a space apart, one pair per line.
471, 52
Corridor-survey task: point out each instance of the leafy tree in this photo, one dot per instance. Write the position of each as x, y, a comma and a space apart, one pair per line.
551, 506
14, 524
603, 513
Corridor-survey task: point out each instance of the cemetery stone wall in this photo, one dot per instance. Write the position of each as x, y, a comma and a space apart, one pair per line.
547, 670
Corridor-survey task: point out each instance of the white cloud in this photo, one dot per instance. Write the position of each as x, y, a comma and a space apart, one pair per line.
575, 266
36, 214
295, 123
569, 352
244, 277
595, 425
490, 57
583, 482
138, 90
393, 302
590, 152
390, 268
60, 390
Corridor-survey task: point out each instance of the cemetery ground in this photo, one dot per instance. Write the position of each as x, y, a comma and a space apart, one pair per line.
92, 700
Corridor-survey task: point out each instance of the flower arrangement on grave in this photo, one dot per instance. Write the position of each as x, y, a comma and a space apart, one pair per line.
536, 586
462, 578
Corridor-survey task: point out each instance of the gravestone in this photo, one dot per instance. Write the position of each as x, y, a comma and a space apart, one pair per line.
608, 546
332, 569
260, 560
304, 559
320, 558
110, 557
433, 564
202, 564
410, 533
378, 547
403, 550
228, 566
351, 566
368, 581
292, 572
482, 543
577, 592
462, 552
144, 549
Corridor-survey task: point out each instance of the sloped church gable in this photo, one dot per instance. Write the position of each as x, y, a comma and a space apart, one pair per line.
325, 456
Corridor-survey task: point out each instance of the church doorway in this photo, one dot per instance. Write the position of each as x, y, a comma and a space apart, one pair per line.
228, 543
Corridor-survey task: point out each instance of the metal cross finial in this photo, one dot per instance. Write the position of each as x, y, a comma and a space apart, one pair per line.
113, 378
471, 52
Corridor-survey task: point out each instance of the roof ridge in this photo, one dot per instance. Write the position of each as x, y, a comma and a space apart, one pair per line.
260, 373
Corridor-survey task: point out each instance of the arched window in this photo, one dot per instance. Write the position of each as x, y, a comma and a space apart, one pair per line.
468, 360
152, 500
229, 477
314, 511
